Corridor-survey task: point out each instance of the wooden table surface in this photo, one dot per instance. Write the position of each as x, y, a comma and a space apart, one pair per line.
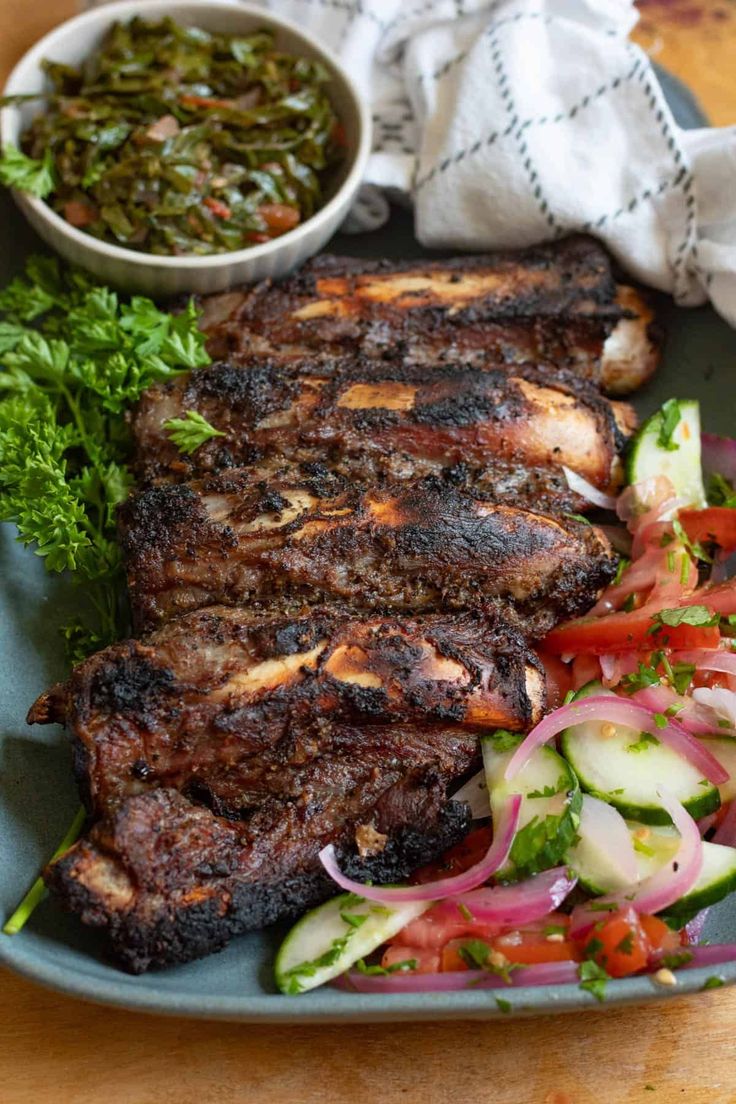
62, 1051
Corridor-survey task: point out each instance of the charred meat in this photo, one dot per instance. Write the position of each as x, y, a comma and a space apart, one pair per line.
506, 433
238, 706
420, 548
556, 304
170, 881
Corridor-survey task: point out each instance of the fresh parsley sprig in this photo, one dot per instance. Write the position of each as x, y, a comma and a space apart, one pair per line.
73, 358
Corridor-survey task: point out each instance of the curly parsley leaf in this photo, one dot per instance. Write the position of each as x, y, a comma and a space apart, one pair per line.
72, 359
26, 173
191, 431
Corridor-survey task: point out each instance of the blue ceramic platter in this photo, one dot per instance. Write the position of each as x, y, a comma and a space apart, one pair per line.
38, 798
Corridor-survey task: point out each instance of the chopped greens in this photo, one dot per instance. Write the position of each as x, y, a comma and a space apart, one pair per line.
670, 419
73, 357
593, 979
685, 615
174, 140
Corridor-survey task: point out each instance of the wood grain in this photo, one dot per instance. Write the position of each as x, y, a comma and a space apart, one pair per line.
60, 1051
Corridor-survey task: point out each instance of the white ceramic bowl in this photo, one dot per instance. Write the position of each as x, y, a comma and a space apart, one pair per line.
129, 270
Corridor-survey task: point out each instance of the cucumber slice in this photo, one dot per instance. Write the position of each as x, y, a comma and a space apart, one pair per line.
717, 879
625, 769
550, 806
680, 462
653, 848
594, 856
330, 938
724, 749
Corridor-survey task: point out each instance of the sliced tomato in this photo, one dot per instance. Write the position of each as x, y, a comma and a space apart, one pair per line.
534, 947
458, 859
626, 943
717, 524
218, 207
623, 632
721, 598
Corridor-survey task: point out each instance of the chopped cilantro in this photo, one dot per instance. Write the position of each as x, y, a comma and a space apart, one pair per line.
578, 517
465, 912
685, 615
602, 906
682, 676
646, 740
569, 696
550, 791
554, 929
643, 849
626, 945
376, 970
623, 563
713, 982
669, 420
503, 1005
639, 680
720, 492
353, 919
503, 740
477, 954
593, 947
593, 978
660, 720
677, 959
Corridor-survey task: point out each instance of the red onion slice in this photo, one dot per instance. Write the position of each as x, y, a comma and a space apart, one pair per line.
664, 887
494, 858
544, 973
711, 954
620, 711
720, 701
719, 455
693, 716
709, 660
586, 490
725, 833
521, 903
694, 927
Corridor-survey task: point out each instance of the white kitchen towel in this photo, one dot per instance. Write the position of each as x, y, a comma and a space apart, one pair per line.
510, 122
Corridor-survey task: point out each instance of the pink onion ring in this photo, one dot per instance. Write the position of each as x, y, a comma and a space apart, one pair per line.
711, 954
725, 833
520, 903
585, 489
494, 858
694, 928
696, 718
719, 701
664, 887
616, 710
719, 455
709, 660
543, 973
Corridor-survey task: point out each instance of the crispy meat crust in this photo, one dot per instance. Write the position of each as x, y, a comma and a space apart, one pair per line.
237, 706
505, 435
419, 548
555, 304
171, 881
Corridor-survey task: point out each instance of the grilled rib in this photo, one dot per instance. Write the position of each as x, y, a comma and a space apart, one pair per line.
510, 432
418, 547
237, 706
171, 881
556, 304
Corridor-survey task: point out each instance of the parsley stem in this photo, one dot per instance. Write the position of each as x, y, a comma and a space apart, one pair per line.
37, 892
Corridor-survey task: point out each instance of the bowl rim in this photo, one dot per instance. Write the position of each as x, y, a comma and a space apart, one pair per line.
107, 14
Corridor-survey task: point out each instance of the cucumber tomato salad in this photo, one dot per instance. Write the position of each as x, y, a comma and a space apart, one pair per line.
604, 834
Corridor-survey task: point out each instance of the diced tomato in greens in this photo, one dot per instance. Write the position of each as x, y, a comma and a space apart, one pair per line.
558, 678
716, 524
626, 943
424, 961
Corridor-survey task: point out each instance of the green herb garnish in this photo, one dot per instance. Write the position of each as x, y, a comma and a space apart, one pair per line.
26, 173
191, 431
645, 741
713, 982
684, 615
73, 357
593, 978
669, 420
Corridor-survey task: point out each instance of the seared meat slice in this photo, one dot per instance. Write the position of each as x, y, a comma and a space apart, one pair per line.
556, 303
509, 431
171, 881
237, 705
415, 547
